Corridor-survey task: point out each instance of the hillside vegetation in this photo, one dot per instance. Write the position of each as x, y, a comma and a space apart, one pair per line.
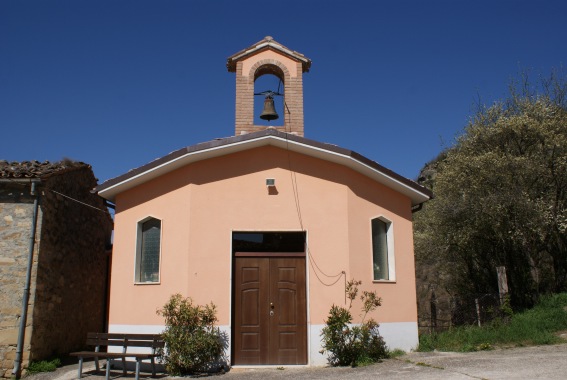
500, 200
540, 325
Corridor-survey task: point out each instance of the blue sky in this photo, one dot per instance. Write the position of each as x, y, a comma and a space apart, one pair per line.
119, 83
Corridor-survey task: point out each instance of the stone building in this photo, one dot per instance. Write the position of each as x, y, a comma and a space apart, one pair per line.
70, 253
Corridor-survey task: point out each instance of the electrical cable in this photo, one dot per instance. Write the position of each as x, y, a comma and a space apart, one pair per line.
61, 194
78, 201
310, 256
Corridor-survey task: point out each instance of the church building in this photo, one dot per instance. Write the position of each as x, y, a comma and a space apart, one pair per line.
268, 225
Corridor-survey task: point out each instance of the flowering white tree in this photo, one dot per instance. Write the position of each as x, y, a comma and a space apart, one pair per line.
501, 198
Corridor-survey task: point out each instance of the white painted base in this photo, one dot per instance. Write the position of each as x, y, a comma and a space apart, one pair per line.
397, 335
315, 357
134, 329
400, 335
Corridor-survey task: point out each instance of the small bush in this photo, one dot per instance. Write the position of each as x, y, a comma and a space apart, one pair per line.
44, 366
349, 344
193, 344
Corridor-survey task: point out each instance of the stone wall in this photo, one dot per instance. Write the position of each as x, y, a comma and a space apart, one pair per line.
70, 298
16, 210
69, 282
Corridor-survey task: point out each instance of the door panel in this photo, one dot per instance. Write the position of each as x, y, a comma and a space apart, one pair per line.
270, 324
251, 295
288, 327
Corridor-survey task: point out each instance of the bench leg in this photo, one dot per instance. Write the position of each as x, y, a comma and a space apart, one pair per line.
80, 367
153, 368
138, 369
124, 366
108, 365
96, 365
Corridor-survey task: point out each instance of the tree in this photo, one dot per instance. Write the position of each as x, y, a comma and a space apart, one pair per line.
501, 196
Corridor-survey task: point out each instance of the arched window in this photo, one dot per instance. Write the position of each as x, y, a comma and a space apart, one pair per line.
269, 78
148, 250
382, 250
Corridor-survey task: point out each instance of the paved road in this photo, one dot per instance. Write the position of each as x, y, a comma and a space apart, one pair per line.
539, 362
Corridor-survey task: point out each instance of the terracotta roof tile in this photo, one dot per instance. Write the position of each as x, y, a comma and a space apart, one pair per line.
36, 169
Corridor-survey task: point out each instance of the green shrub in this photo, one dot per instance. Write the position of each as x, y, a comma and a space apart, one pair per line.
349, 344
44, 366
506, 308
193, 344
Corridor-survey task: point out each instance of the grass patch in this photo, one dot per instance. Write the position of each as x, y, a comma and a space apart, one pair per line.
44, 366
396, 353
536, 326
422, 364
365, 361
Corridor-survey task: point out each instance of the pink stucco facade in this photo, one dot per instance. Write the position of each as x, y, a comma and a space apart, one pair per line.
202, 203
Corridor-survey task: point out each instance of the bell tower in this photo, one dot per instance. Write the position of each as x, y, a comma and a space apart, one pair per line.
269, 57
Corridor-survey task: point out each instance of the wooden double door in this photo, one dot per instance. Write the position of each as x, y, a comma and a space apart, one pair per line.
270, 311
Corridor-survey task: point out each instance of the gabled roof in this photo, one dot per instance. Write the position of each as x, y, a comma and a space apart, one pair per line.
220, 147
267, 43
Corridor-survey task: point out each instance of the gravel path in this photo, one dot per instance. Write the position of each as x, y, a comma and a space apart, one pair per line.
541, 362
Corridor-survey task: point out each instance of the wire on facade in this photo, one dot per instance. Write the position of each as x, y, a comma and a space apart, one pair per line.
78, 201
310, 256
56, 192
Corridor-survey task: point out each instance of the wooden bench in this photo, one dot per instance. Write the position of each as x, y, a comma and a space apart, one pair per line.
99, 340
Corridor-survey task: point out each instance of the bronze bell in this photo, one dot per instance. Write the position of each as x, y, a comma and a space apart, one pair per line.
269, 112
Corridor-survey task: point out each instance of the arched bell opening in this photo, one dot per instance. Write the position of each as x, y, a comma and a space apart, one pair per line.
269, 112
261, 62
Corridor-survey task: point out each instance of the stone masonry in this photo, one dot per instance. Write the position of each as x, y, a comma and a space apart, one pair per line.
70, 262
15, 228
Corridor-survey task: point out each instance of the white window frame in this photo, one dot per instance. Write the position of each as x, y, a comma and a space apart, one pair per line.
138, 253
391, 252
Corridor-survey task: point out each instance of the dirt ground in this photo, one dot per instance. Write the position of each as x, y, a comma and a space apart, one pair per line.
538, 362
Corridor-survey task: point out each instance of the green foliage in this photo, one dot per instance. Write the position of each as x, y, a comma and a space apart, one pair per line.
506, 307
44, 366
358, 344
532, 327
396, 353
193, 344
501, 199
